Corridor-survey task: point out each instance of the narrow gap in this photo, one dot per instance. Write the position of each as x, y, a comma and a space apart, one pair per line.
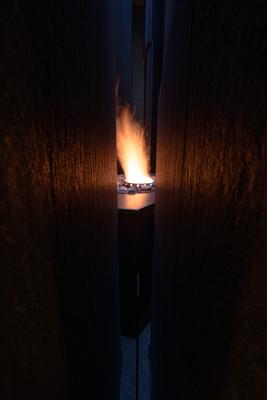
136, 224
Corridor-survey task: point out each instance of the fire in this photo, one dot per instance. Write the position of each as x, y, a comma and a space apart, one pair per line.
132, 150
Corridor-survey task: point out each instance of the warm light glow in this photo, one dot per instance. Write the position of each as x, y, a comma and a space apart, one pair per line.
132, 150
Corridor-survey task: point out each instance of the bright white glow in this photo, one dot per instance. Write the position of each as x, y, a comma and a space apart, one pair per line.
132, 150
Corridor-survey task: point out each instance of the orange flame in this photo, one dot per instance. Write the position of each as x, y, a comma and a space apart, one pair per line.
132, 151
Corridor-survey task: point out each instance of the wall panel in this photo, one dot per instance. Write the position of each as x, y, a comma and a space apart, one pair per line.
209, 331
59, 306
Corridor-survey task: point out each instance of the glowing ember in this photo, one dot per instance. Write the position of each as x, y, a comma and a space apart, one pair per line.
133, 153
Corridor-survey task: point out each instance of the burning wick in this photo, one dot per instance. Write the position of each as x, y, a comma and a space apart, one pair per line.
132, 150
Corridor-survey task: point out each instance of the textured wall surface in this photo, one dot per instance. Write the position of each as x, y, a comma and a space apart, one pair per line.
58, 306
158, 11
210, 329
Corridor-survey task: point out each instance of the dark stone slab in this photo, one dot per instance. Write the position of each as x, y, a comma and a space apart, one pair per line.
136, 224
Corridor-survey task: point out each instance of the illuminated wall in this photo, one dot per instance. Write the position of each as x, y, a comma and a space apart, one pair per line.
59, 308
209, 324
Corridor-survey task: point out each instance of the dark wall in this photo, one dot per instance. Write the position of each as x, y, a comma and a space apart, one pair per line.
158, 11
58, 309
209, 325
138, 67
123, 37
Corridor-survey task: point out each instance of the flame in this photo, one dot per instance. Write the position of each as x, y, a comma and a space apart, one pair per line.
132, 151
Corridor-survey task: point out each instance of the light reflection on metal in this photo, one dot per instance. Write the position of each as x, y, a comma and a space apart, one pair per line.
135, 202
133, 188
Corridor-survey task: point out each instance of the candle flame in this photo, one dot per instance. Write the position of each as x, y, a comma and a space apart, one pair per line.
132, 150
